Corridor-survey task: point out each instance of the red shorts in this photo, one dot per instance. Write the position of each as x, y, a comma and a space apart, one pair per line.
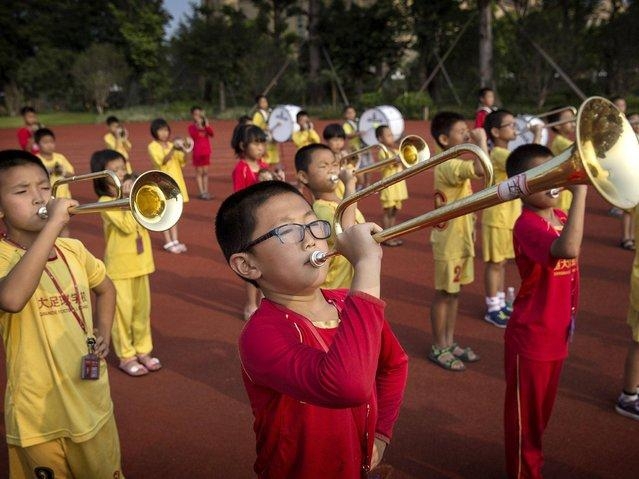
201, 160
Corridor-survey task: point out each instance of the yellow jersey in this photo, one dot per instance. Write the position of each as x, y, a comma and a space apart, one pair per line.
123, 147
350, 127
60, 160
306, 137
559, 144
45, 398
505, 214
453, 239
340, 271
173, 167
398, 191
128, 251
634, 276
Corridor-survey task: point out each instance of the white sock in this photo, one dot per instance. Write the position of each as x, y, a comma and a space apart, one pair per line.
628, 397
493, 303
502, 299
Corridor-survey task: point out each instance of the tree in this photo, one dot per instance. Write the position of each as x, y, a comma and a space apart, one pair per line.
485, 43
97, 71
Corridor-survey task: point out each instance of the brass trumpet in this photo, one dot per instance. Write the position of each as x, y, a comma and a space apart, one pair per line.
605, 155
155, 200
412, 150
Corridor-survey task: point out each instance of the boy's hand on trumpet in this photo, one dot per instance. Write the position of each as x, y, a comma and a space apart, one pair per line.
356, 244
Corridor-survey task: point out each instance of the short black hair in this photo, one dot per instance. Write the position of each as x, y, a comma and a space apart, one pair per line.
195, 107
521, 157
236, 219
245, 134
348, 107
26, 109
442, 124
333, 130
158, 124
41, 133
304, 155
300, 114
482, 91
111, 120
379, 131
12, 158
617, 97
555, 116
99, 160
259, 97
244, 120
494, 120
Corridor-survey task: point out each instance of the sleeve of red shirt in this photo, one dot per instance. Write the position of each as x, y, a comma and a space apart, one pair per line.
23, 137
239, 176
273, 356
392, 373
193, 133
209, 131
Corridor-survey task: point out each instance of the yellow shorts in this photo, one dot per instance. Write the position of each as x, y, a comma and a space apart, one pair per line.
633, 322
397, 204
497, 244
450, 275
97, 458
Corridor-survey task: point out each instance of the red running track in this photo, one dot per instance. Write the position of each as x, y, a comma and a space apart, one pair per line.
192, 419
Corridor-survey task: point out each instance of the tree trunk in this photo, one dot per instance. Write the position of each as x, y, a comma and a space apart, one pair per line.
314, 51
222, 97
485, 44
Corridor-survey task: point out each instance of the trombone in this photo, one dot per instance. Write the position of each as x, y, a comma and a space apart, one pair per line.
155, 200
318, 258
537, 120
412, 150
605, 155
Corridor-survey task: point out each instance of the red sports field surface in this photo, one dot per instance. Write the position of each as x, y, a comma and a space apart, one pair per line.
192, 419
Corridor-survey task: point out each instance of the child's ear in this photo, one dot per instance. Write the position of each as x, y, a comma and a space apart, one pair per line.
494, 133
302, 176
443, 139
243, 265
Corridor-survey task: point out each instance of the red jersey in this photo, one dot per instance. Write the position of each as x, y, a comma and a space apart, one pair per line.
243, 176
543, 315
480, 116
24, 134
319, 396
201, 135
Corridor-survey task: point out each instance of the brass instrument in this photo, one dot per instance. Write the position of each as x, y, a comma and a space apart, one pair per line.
605, 155
318, 258
537, 120
352, 159
412, 150
155, 200
184, 144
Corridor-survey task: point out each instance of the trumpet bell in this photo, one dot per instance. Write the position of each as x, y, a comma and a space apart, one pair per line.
412, 150
156, 201
609, 152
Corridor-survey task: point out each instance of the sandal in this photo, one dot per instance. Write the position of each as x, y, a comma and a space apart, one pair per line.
444, 358
466, 355
628, 244
173, 247
133, 368
150, 363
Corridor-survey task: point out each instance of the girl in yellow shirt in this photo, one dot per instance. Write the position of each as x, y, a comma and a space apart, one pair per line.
129, 261
170, 158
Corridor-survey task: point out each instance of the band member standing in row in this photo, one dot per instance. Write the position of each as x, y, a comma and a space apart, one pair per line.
307, 134
117, 138
201, 132
25, 134
260, 119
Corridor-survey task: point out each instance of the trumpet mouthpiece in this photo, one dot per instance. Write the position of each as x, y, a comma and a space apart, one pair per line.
318, 258
333, 178
554, 193
43, 213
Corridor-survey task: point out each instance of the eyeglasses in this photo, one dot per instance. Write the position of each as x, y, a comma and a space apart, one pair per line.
294, 233
508, 125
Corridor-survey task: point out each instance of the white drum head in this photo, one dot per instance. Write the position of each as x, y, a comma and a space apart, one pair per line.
522, 124
380, 115
282, 123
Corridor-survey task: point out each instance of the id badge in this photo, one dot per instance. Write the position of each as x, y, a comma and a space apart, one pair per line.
90, 364
139, 245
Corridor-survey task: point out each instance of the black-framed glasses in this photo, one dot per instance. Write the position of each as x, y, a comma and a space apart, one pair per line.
506, 125
294, 233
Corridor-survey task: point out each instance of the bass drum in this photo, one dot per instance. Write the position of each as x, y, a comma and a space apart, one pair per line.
524, 135
380, 115
282, 122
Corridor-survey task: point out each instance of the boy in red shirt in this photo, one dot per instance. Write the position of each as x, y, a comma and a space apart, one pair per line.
547, 244
25, 134
323, 371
